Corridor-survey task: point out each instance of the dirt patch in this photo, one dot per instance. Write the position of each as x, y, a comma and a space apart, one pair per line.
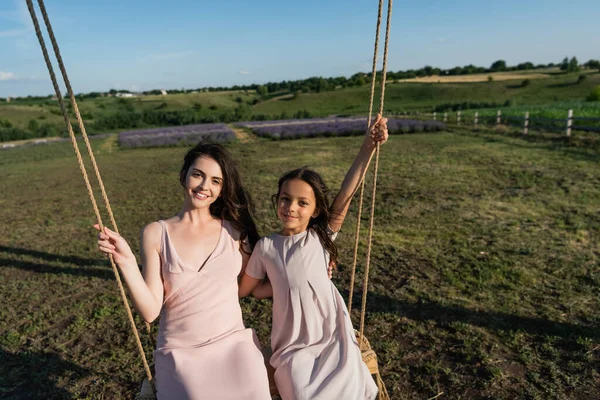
243, 136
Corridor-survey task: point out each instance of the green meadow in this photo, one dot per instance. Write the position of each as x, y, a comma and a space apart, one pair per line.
484, 277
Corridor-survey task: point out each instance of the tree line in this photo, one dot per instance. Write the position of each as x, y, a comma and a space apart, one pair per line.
320, 84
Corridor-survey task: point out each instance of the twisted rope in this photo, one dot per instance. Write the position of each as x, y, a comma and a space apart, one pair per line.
78, 154
374, 191
362, 184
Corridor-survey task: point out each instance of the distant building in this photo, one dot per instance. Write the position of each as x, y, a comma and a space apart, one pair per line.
124, 94
8, 99
163, 92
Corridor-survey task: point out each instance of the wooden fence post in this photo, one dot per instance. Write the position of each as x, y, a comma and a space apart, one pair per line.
569, 122
476, 118
526, 123
434, 115
458, 118
498, 118
445, 117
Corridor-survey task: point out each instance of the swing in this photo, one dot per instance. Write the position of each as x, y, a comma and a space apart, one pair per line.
148, 391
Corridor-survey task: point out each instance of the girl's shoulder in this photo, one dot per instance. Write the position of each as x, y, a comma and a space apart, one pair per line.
265, 243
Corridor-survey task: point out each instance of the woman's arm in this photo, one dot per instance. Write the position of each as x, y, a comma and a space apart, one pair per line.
146, 288
339, 208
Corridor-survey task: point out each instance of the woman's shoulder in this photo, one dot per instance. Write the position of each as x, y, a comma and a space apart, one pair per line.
235, 233
153, 228
151, 234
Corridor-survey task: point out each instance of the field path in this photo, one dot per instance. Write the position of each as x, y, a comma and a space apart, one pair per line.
243, 136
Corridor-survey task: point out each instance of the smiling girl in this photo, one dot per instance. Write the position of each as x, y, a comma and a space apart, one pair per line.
315, 352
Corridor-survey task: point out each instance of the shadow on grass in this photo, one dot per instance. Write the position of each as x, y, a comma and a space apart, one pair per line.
47, 263
83, 262
31, 375
446, 314
53, 269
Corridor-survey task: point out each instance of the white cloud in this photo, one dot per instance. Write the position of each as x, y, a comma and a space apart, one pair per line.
441, 40
7, 76
244, 72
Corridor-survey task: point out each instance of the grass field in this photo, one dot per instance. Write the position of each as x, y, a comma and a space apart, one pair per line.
484, 270
400, 97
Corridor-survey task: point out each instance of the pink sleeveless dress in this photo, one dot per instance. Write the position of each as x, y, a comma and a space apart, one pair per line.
203, 349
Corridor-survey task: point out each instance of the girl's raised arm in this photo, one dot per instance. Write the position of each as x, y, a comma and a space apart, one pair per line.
339, 208
146, 288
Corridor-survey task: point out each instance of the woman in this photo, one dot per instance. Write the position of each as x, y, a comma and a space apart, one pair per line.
191, 263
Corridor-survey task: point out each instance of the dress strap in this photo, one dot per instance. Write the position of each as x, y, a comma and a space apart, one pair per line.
162, 238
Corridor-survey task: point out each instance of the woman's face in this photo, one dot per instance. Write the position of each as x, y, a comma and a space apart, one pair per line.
203, 182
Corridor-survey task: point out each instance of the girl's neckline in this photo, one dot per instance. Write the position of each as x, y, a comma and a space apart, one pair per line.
292, 236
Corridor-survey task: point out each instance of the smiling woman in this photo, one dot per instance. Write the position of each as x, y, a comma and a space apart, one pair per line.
190, 266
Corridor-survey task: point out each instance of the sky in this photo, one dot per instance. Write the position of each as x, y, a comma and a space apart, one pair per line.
151, 44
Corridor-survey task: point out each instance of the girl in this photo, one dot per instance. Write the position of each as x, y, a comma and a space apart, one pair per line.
190, 267
315, 352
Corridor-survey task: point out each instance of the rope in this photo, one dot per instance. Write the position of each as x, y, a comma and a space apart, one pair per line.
78, 154
363, 342
362, 184
370, 240
80, 122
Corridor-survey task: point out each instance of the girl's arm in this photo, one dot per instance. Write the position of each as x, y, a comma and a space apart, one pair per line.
377, 133
146, 288
264, 290
261, 290
247, 285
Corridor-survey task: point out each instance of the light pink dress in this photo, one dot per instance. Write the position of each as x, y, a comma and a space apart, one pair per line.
315, 352
203, 349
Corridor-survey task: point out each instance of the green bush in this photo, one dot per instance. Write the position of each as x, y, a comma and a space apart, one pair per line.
595, 95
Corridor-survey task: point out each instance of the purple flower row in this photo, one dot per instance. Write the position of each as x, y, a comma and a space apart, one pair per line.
176, 135
253, 124
341, 127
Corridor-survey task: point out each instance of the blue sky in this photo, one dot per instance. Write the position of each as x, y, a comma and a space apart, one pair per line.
142, 45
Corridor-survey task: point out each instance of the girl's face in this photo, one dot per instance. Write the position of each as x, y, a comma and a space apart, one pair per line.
203, 182
296, 205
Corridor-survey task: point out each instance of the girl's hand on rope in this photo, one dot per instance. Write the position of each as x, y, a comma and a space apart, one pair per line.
378, 132
110, 242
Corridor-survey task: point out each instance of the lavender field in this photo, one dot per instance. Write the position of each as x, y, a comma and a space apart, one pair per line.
176, 135
296, 129
276, 129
